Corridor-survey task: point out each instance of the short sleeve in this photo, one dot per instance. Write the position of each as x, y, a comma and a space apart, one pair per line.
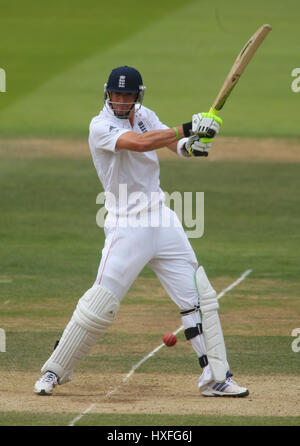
154, 120
103, 135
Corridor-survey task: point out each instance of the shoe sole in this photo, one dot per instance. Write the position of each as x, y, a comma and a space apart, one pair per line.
42, 392
231, 395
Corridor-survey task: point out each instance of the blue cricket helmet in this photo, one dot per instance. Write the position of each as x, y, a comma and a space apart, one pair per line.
124, 79
127, 80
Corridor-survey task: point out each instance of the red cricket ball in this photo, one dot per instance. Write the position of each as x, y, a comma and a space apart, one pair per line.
170, 339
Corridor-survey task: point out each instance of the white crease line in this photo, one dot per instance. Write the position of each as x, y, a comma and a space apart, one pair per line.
240, 279
137, 365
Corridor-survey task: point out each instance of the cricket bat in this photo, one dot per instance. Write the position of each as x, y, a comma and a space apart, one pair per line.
242, 60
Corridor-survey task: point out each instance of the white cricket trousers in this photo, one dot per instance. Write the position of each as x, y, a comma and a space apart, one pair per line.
166, 250
127, 249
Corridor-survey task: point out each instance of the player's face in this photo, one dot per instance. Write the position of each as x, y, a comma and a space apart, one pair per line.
121, 103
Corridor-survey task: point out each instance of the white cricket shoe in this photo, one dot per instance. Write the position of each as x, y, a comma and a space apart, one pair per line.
46, 384
227, 388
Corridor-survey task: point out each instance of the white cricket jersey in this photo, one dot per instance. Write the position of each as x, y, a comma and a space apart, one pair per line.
139, 171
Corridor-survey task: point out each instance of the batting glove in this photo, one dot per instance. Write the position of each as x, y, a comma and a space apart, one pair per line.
196, 146
206, 125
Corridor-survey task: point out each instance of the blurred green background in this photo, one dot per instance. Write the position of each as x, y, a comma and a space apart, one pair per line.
58, 55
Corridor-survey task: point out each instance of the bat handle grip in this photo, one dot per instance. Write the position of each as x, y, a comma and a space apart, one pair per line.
213, 111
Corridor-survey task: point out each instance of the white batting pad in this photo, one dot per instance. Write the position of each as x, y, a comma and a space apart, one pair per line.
95, 312
212, 331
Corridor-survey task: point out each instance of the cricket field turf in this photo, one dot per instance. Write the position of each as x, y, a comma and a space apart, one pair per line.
50, 242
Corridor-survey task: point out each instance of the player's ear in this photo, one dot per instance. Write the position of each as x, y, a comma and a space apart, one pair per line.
106, 94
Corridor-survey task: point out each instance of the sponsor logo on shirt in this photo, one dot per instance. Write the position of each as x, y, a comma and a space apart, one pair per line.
142, 126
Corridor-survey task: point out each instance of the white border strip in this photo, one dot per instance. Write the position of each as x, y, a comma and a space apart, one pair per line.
137, 365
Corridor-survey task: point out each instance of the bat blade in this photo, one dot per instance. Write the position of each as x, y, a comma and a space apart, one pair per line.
240, 63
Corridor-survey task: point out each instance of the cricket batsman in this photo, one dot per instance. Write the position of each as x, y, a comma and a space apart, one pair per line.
123, 140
